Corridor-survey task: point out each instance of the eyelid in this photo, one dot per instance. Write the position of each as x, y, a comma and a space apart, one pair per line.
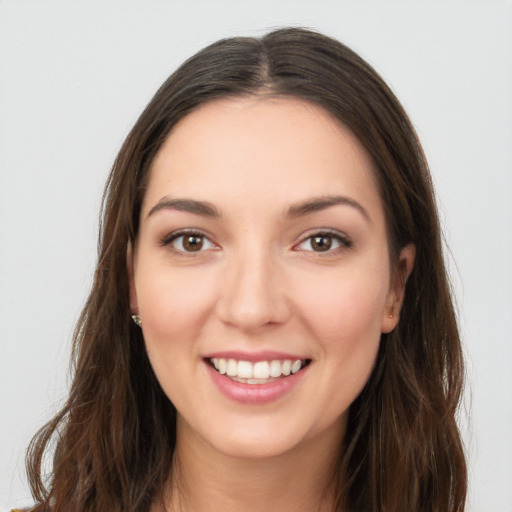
344, 240
168, 239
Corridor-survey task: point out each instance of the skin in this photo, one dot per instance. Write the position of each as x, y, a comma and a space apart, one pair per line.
260, 283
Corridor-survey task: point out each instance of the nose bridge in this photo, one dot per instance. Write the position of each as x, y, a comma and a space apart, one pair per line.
252, 296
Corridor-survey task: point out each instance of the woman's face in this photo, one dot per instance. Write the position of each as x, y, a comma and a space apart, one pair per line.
262, 251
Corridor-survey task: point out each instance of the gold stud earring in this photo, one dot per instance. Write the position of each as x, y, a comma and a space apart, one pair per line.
137, 319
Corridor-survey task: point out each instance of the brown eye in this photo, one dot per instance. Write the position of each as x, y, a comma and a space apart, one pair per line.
321, 243
192, 243
325, 242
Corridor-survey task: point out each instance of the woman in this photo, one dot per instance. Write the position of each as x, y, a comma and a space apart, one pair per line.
270, 227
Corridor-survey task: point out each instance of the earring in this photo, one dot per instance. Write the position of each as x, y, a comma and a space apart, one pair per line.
390, 315
137, 319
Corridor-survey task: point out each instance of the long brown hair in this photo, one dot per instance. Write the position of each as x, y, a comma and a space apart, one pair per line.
114, 438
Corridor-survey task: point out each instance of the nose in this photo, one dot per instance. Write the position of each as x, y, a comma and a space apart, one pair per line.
253, 295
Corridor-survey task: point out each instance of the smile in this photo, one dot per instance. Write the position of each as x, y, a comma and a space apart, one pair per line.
261, 372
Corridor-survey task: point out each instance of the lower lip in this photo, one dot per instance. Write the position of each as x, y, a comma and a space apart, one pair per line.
255, 394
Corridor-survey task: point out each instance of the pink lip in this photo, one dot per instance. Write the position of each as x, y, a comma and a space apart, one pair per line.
255, 394
267, 355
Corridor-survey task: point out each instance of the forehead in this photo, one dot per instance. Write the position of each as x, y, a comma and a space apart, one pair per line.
273, 148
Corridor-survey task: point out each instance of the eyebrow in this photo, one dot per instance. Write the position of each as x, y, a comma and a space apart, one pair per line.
202, 208
321, 203
206, 209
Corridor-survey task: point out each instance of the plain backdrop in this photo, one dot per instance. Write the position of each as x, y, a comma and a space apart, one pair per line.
74, 76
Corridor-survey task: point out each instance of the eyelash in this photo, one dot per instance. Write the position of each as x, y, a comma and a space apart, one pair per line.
169, 239
343, 240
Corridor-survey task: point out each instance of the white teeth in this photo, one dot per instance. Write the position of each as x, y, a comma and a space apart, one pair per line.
258, 381
296, 366
261, 370
232, 368
275, 368
244, 370
256, 373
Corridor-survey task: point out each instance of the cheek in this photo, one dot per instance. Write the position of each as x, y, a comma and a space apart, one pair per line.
344, 317
345, 308
173, 305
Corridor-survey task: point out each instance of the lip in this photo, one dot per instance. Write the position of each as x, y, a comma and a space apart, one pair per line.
254, 394
266, 355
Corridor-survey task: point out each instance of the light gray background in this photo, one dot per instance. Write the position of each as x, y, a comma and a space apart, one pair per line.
75, 75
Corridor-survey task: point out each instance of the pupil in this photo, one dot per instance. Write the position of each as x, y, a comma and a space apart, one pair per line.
193, 243
321, 243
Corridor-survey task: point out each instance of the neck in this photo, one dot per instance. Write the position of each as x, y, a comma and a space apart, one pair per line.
206, 480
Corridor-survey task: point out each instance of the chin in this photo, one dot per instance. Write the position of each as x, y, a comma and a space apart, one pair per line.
259, 440
256, 447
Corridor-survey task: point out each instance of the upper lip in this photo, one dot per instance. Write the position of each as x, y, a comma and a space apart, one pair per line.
253, 357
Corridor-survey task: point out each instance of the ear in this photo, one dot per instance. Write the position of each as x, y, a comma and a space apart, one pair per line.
134, 307
391, 313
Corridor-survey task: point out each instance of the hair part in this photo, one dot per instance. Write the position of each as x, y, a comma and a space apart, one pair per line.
115, 436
